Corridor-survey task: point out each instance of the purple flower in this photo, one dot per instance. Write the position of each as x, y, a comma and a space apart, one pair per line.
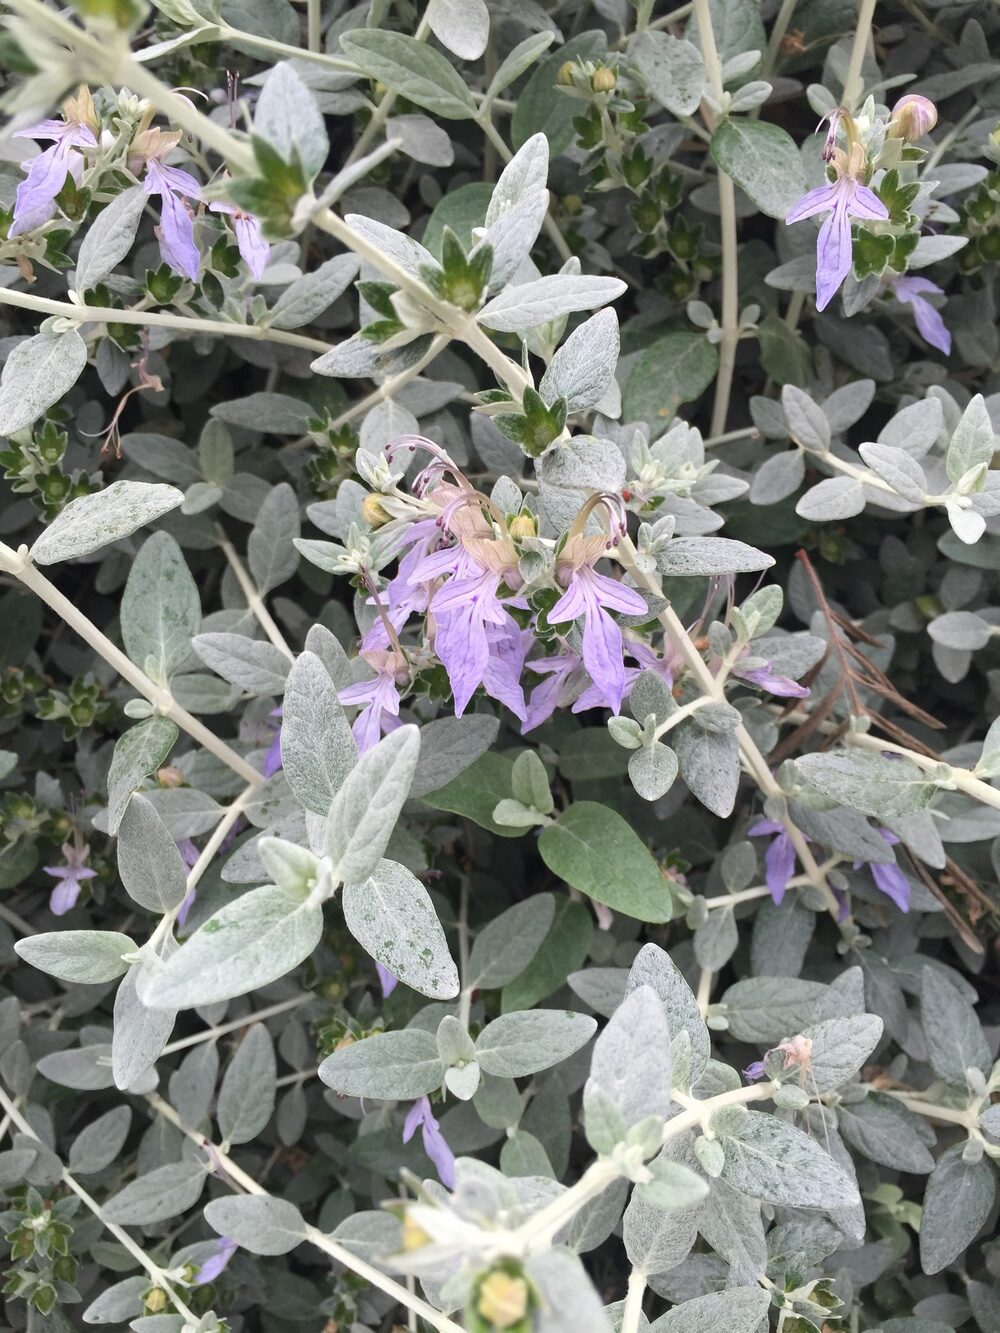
650, 660
888, 877
465, 610
766, 678
590, 596
254, 250
434, 1144
386, 980
189, 855
272, 759
176, 229
380, 696
508, 647
844, 199
928, 320
558, 688
755, 1071
189, 852
211, 1267
35, 201
779, 859
71, 876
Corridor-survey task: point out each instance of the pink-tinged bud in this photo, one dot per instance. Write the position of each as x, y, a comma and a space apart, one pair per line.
913, 116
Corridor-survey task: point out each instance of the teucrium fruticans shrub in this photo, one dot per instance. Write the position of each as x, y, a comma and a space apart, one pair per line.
497, 826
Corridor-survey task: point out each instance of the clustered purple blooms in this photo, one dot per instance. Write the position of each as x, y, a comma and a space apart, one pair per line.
175, 188
35, 200
71, 878
779, 864
458, 569
421, 1116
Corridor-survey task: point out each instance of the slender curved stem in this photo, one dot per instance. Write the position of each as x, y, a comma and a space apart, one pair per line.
853, 81
632, 1313
155, 319
254, 600
156, 1273
778, 30
235, 1024
727, 225
18, 564
753, 761
316, 1237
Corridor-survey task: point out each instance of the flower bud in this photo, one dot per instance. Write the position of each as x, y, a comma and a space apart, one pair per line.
79, 109
913, 116
155, 1300
503, 1300
524, 525
414, 1236
603, 79
374, 512
565, 76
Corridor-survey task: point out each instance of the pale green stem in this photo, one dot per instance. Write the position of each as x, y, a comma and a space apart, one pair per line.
675, 16
384, 391
949, 1115
312, 1234
747, 895
683, 713
381, 113
539, 1231
393, 384
727, 225
254, 600
314, 14
18, 922
731, 436
632, 1313
853, 82
643, 11
156, 1274
961, 778
946, 140
465, 996
704, 992
266, 46
780, 27
19, 564
235, 1024
796, 304
753, 761
87, 314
